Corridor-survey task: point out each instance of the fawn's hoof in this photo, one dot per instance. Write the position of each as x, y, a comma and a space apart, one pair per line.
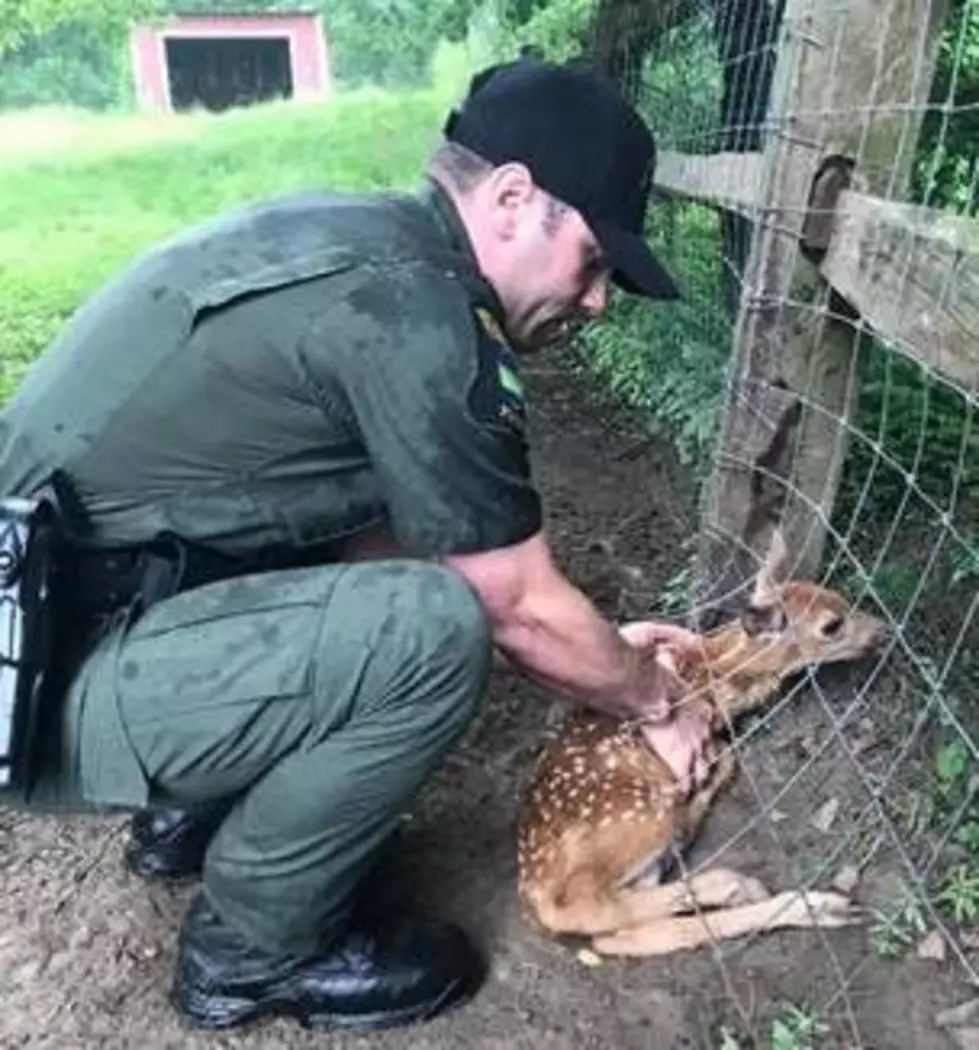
819, 908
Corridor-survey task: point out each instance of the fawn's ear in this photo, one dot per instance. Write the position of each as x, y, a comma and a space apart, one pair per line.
773, 572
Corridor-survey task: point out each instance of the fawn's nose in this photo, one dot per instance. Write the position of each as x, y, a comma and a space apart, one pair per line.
877, 631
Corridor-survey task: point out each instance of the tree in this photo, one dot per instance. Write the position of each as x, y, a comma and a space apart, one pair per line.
23, 19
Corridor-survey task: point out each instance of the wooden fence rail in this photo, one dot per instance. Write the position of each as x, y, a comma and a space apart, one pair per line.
911, 273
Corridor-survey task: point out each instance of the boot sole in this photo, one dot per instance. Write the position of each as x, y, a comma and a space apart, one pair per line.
222, 1012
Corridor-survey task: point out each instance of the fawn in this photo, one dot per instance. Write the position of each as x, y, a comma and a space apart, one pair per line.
602, 814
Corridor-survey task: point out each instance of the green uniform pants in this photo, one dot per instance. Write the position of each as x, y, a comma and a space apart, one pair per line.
321, 699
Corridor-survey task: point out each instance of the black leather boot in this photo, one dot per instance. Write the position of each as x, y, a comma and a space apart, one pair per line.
370, 978
170, 841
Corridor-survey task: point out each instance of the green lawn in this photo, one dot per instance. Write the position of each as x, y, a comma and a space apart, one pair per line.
80, 194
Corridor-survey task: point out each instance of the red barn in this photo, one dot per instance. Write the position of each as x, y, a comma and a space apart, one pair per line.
222, 60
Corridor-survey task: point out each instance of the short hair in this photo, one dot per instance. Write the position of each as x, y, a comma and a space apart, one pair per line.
461, 168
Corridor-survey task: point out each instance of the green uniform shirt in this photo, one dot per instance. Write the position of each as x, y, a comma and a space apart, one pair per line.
290, 373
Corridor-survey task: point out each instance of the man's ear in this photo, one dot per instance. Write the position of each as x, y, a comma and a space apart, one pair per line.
773, 573
508, 191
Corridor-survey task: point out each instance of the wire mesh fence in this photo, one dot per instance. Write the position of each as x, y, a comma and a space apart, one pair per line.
864, 778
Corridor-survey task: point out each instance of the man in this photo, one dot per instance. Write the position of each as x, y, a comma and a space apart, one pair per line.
306, 419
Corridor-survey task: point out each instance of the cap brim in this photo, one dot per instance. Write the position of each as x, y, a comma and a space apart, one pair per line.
635, 268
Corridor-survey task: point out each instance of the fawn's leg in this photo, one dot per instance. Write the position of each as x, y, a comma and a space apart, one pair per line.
696, 809
790, 909
585, 906
724, 770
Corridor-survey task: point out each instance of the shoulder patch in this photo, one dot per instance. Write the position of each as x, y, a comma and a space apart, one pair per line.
497, 395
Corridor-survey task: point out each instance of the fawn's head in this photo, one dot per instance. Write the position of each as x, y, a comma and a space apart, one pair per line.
789, 625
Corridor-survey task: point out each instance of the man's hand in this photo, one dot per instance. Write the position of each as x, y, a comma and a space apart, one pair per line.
683, 740
650, 634
663, 646
553, 634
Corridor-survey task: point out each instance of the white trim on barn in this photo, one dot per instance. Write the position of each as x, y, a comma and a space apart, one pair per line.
326, 72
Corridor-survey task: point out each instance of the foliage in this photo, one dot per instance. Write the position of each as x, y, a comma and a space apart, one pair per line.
557, 28
682, 87
23, 19
942, 813
74, 62
923, 428
947, 170
798, 1029
669, 359
795, 1027
65, 51
898, 927
389, 42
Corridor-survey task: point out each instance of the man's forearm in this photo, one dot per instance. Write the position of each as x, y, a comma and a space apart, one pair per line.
557, 636
546, 626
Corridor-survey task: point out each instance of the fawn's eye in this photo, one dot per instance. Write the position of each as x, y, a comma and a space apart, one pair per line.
831, 628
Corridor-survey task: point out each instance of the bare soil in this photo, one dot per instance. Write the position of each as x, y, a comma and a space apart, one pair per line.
86, 949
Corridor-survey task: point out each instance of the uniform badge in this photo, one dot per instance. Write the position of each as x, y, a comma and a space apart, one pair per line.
500, 393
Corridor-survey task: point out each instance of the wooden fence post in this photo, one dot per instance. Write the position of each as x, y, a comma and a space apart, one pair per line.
850, 88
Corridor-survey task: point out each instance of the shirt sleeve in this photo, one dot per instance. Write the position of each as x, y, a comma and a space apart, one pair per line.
436, 397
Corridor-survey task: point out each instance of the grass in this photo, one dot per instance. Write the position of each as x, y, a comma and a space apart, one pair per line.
81, 194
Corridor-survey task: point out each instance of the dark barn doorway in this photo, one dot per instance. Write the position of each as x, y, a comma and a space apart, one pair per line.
220, 72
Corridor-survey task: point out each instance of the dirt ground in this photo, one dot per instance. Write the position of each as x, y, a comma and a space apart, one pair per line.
86, 949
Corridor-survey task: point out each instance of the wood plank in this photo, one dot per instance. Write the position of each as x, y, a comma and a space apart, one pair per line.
852, 80
727, 180
913, 275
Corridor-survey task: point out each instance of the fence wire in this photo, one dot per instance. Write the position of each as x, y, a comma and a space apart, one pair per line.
864, 777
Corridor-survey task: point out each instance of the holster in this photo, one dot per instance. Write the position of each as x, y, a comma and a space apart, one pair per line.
58, 594
30, 532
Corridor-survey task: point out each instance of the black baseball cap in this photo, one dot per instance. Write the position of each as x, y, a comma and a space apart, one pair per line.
582, 142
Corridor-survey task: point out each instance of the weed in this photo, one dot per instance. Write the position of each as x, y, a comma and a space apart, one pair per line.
964, 561
796, 1027
674, 597
893, 584
729, 1039
899, 928
945, 794
960, 892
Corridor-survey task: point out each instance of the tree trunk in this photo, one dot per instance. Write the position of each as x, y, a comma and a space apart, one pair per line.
623, 32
